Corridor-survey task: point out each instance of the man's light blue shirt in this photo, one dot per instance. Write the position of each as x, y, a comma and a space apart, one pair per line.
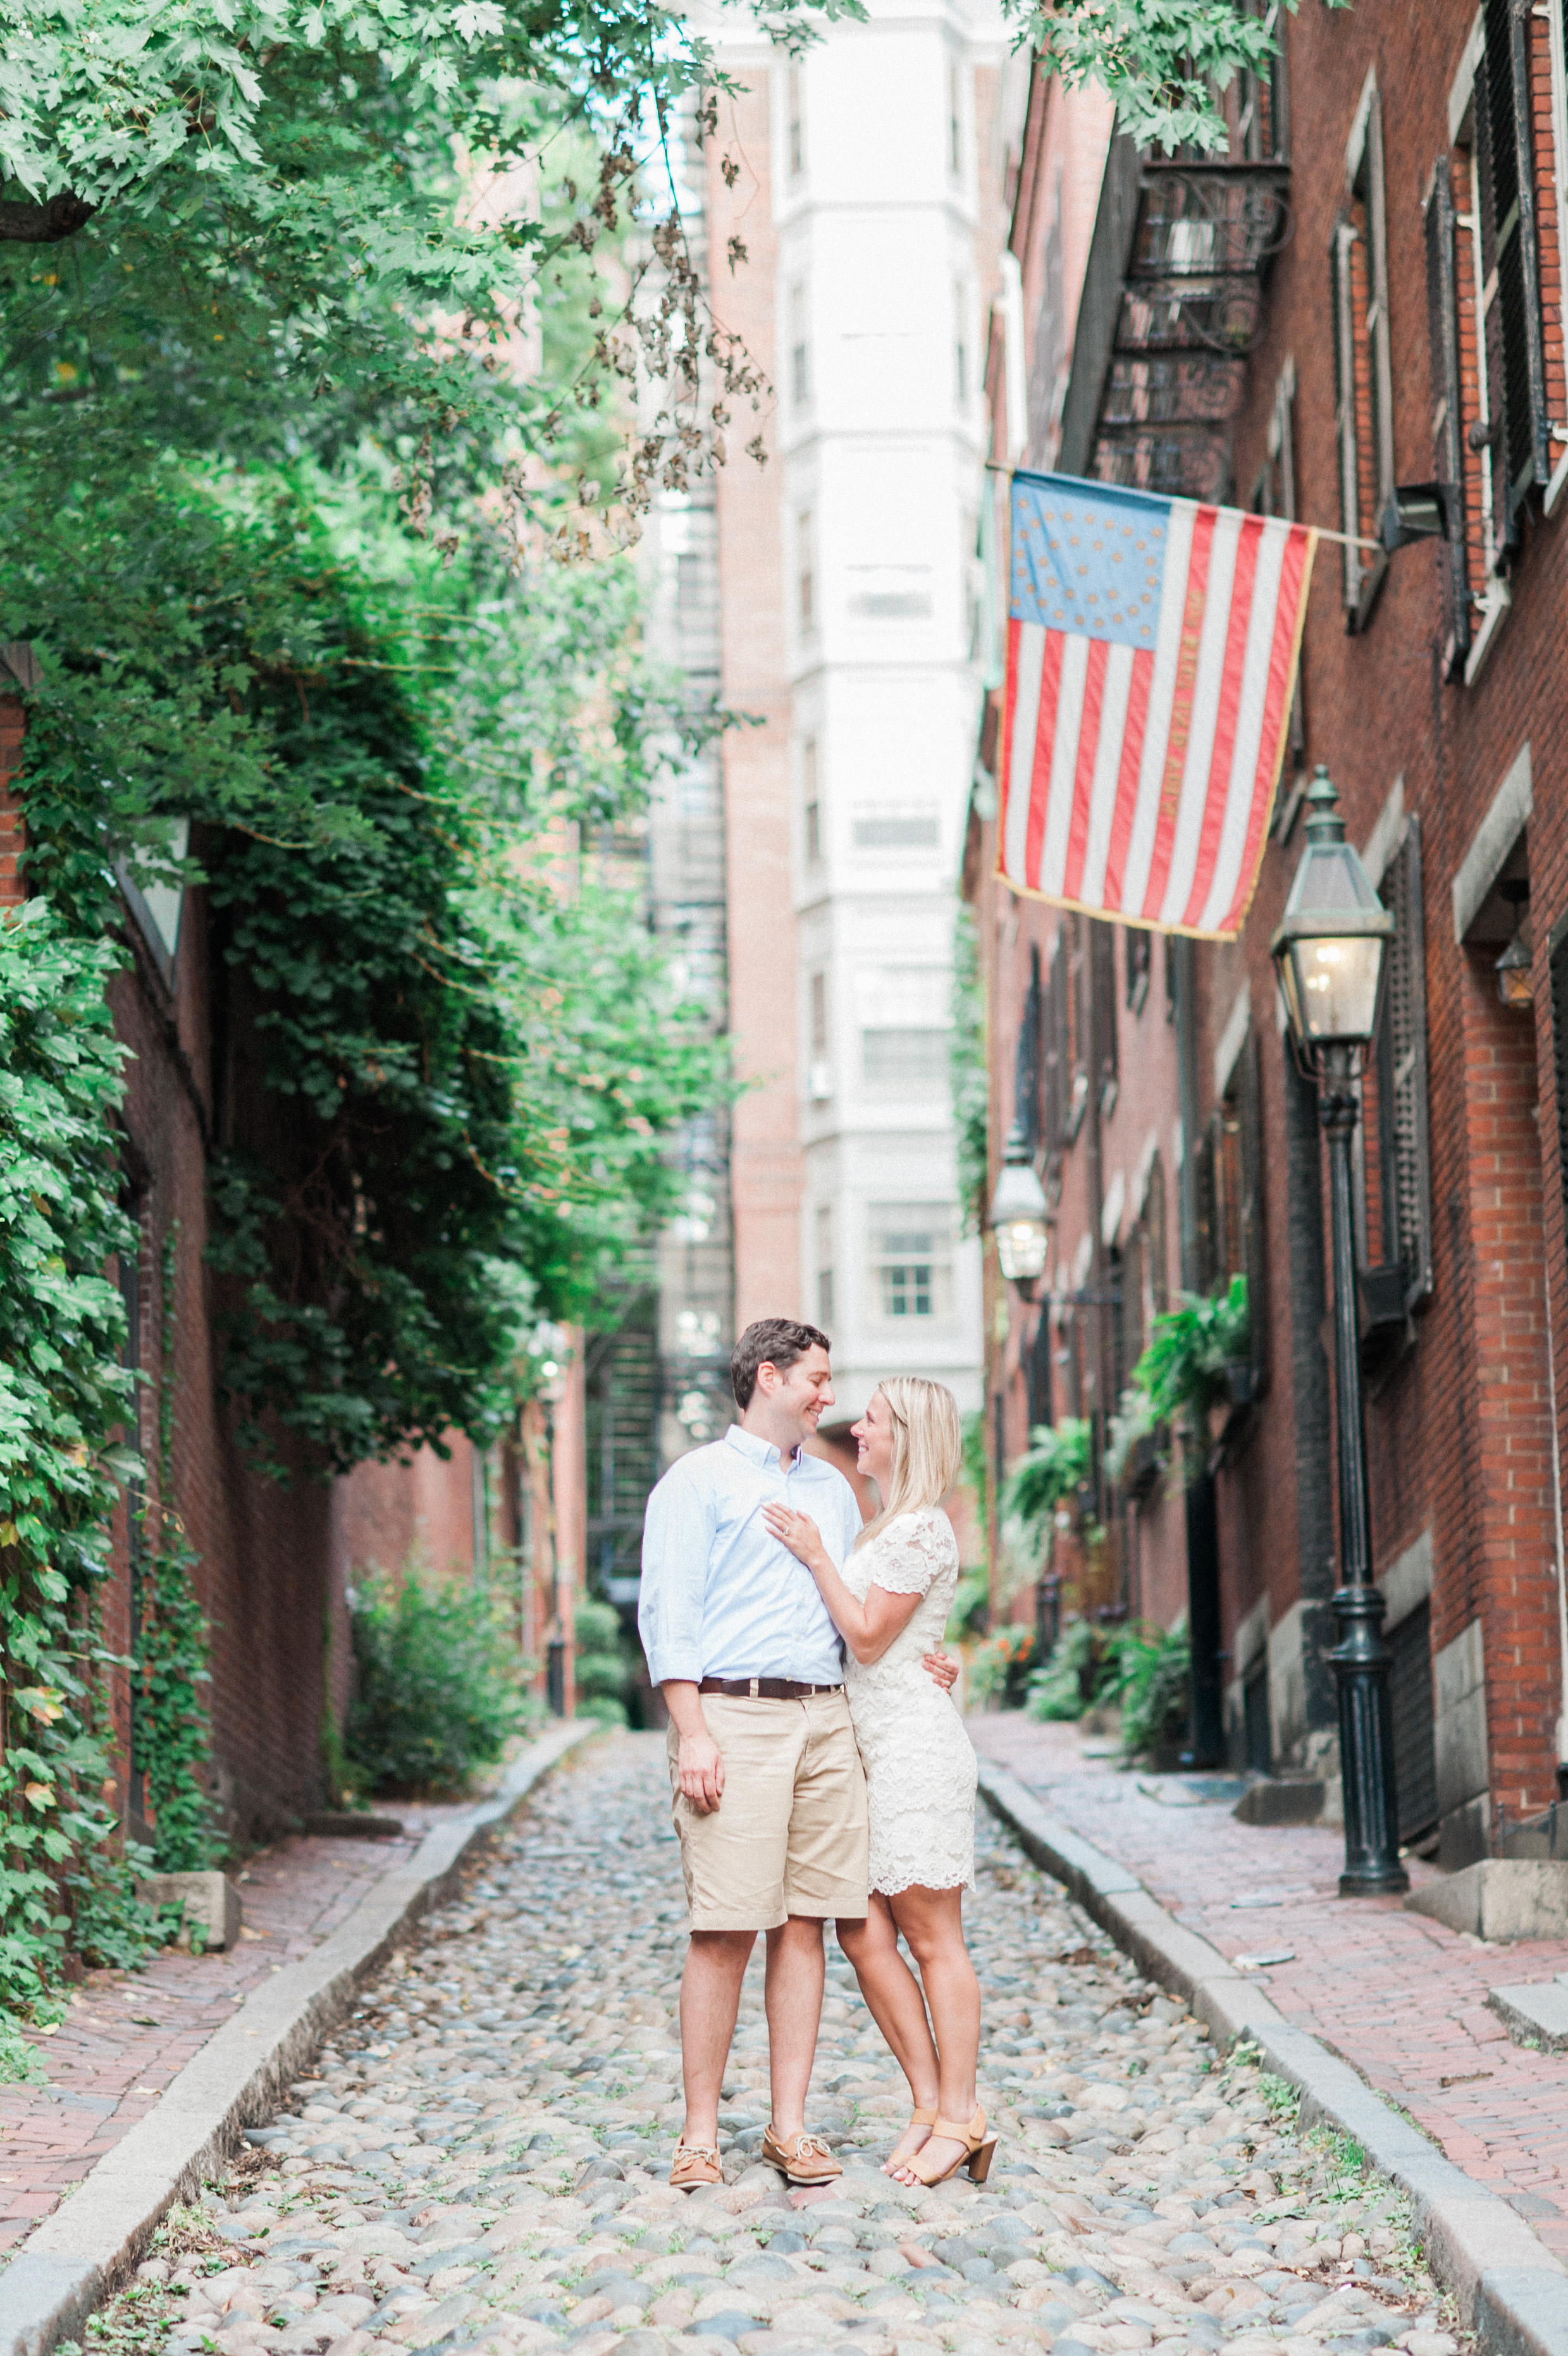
721, 1596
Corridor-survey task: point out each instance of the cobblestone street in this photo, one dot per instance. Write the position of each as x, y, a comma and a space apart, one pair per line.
481, 2160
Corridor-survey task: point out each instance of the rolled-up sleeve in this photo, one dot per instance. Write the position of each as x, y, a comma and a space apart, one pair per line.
677, 1540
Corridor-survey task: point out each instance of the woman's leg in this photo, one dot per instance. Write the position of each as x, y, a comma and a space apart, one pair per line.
893, 1995
932, 1922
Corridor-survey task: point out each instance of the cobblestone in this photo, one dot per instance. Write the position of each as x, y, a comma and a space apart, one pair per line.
479, 2162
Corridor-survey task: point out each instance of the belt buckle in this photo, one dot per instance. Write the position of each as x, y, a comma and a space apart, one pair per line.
755, 1686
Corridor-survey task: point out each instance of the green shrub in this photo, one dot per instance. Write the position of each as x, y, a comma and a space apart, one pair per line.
1081, 1672
1156, 1688
603, 1674
1002, 1665
971, 1598
1143, 1669
440, 1683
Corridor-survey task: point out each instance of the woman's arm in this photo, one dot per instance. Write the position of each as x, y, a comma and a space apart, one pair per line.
866, 1628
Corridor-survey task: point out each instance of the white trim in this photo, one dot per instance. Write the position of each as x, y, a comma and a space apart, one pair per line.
1494, 604
1510, 811
1386, 834
1407, 1582
1232, 1039
1015, 378
1356, 146
1144, 1171
1082, 1261
1554, 489
1110, 1210
1463, 86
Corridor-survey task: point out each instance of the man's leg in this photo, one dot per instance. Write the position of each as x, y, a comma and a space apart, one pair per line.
710, 2000
794, 1991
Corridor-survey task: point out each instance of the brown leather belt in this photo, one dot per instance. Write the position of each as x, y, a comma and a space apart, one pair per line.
763, 1688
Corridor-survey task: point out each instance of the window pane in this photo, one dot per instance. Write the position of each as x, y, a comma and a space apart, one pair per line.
904, 1058
911, 1251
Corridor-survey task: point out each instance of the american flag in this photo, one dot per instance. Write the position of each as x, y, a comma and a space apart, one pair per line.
1152, 649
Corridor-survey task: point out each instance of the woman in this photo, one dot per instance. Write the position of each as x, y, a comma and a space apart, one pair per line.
890, 1603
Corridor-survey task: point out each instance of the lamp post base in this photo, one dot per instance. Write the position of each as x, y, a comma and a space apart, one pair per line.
1361, 1662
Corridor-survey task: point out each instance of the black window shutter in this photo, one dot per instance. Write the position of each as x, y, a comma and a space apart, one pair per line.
1055, 1051
1519, 366
1206, 1209
1401, 1077
1254, 1247
1027, 1078
1345, 405
1448, 410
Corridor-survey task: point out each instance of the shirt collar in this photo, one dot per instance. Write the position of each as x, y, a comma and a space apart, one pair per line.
760, 1450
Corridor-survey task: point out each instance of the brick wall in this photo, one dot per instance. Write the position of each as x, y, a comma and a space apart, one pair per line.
1459, 1415
12, 832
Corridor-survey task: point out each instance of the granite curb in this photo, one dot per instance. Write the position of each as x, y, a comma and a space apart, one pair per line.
1511, 2289
85, 2247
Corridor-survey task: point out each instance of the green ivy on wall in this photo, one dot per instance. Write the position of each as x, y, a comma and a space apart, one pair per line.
64, 1396
170, 1722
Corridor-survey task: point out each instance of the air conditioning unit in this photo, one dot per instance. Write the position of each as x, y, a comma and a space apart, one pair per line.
820, 1081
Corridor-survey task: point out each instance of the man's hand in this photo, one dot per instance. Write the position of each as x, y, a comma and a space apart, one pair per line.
942, 1667
699, 1764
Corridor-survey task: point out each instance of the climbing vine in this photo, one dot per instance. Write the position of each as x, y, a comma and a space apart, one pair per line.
169, 1723
64, 1397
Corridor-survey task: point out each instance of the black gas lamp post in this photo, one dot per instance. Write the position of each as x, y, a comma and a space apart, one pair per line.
1329, 951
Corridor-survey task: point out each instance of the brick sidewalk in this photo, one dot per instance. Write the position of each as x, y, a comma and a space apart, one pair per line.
127, 2034
1401, 1997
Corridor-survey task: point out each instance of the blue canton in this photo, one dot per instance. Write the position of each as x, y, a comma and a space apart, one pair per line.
1088, 558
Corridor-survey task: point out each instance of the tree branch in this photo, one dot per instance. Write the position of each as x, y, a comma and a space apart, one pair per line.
46, 224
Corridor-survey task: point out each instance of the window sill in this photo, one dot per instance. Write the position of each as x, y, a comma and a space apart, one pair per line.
1556, 486
1495, 605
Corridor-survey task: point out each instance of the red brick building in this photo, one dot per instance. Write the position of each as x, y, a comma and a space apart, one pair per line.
1363, 295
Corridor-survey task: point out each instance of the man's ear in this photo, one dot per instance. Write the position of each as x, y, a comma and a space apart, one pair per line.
768, 1376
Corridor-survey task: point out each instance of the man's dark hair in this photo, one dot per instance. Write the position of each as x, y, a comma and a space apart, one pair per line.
771, 1341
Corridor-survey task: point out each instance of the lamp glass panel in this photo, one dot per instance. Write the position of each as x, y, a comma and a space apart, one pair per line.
1021, 1245
1335, 993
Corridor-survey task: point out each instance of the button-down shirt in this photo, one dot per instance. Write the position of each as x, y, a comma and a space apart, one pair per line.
721, 1596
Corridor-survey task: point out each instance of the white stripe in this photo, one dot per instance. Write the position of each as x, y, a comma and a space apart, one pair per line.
1212, 643
1162, 693
1245, 783
1064, 763
1021, 759
1107, 770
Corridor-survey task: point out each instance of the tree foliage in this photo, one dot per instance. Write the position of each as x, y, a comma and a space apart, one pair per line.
63, 1396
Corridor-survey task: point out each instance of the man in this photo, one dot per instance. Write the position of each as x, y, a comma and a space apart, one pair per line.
769, 1796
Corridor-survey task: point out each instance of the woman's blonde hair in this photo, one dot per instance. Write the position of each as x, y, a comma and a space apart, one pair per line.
928, 1446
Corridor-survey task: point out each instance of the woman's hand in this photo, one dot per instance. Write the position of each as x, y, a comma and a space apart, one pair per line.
942, 1667
799, 1533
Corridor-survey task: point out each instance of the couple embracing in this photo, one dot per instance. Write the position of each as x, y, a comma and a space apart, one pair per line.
819, 1765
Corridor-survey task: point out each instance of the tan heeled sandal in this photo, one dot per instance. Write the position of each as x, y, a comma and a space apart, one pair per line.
978, 2150
918, 2118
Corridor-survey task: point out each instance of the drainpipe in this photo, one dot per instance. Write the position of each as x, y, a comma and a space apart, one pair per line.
1181, 951
1561, 1566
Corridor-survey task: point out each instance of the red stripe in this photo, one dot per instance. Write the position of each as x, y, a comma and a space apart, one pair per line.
1237, 623
1009, 709
1181, 709
1045, 745
1083, 776
1127, 779
1276, 713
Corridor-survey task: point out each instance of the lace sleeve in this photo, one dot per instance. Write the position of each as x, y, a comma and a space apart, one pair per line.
911, 1551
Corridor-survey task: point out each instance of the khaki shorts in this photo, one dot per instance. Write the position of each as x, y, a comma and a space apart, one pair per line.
790, 1835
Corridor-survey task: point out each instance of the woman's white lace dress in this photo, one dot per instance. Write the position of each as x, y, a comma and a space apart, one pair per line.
919, 1763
